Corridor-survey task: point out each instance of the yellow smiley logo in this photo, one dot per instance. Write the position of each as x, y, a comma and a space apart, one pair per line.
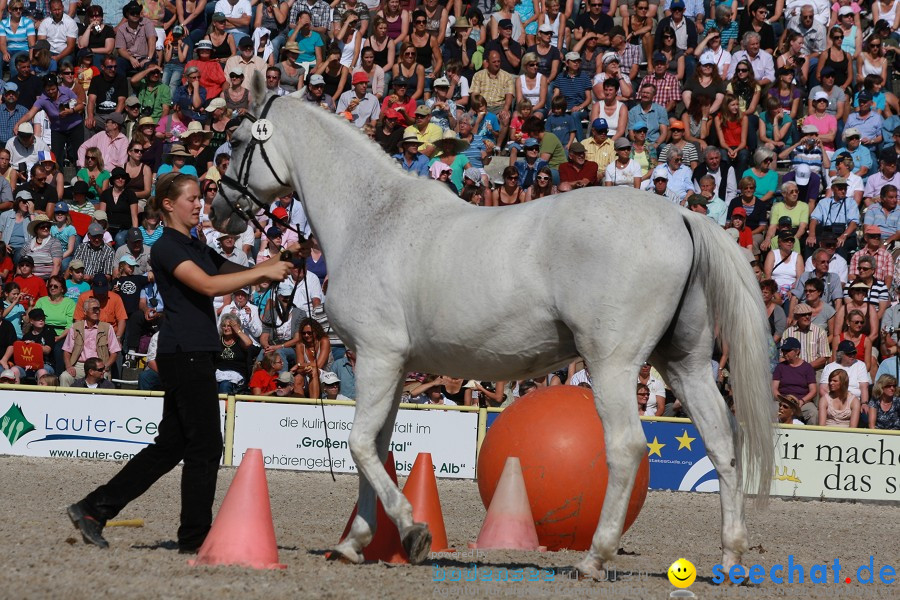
682, 573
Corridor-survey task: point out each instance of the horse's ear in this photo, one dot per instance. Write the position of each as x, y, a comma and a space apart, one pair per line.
257, 91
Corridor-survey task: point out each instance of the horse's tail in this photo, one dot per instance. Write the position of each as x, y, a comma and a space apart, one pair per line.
735, 302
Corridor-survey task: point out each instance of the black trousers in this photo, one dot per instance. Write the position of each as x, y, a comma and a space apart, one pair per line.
190, 430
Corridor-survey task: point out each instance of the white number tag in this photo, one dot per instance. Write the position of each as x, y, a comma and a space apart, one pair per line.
263, 129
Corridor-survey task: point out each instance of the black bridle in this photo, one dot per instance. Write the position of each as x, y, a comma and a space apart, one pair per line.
263, 127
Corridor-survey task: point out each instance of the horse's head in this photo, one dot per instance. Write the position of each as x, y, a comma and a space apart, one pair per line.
256, 172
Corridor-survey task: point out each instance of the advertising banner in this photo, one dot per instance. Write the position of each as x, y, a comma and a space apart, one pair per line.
293, 436
87, 426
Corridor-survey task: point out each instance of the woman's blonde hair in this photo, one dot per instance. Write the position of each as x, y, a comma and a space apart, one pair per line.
94, 152
883, 382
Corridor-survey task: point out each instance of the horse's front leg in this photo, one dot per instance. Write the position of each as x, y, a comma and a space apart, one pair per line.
379, 382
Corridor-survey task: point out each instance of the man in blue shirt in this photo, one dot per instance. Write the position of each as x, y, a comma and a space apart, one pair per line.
11, 112
575, 87
530, 164
653, 115
867, 122
409, 158
863, 161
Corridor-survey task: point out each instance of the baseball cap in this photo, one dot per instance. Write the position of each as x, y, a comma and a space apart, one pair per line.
9, 374
27, 259
100, 284
26, 129
285, 289
246, 42
621, 143
76, 264
820, 95
236, 70
36, 314
132, 101
639, 126
677, 5
802, 174
316, 80
707, 59
573, 55
546, 28
328, 377
845, 10
279, 212
358, 77
441, 82
600, 124
792, 343
828, 72
851, 132
397, 81
422, 110
95, 229
115, 118
661, 173
134, 235
785, 234
61, 207
576, 148
285, 377
128, 260
244, 290
659, 57
872, 229
204, 44
697, 200
677, 125
531, 143
838, 181
847, 347
504, 24
273, 232
739, 212
10, 86
864, 96
810, 129
609, 57
216, 103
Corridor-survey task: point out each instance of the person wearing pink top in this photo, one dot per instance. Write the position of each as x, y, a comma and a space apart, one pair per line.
824, 122
111, 142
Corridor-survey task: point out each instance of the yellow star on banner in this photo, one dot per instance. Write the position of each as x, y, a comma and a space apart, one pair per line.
685, 440
655, 447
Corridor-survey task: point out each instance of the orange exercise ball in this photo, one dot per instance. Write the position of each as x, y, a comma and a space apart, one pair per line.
558, 437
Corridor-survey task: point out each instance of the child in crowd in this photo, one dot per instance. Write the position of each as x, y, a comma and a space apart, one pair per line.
13, 311
560, 123
64, 231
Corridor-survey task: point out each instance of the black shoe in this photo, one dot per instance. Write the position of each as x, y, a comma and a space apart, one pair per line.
91, 529
188, 550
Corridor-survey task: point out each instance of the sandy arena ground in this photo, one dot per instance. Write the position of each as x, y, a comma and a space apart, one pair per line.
44, 557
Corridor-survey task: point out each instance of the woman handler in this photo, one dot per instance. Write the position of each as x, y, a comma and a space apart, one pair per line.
189, 274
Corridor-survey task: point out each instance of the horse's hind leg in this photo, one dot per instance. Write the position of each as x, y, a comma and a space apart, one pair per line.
690, 377
614, 380
378, 380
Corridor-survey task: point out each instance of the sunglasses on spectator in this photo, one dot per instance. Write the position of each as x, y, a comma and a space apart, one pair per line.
100, 369
420, 21
511, 178
857, 322
532, 149
542, 178
861, 269
282, 384
873, 236
742, 70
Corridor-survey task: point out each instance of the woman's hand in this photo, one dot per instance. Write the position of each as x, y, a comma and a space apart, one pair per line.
274, 268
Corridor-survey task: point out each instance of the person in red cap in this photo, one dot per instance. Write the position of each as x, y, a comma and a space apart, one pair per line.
362, 107
739, 224
281, 221
390, 133
884, 262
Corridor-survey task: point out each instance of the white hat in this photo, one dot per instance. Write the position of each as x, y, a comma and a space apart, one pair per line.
809, 129
851, 131
661, 172
215, 103
707, 58
9, 374
285, 288
845, 10
236, 71
546, 28
609, 57
441, 82
329, 377
26, 128
573, 55
820, 95
801, 174
316, 79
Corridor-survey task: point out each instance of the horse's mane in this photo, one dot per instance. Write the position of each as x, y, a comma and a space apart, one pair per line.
350, 138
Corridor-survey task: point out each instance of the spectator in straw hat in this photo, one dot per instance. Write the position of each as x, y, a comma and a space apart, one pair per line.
450, 152
44, 249
178, 157
409, 157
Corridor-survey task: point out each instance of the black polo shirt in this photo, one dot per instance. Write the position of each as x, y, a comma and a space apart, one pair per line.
41, 199
602, 25
514, 47
190, 323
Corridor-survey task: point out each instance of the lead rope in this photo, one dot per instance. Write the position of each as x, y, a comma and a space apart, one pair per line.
321, 400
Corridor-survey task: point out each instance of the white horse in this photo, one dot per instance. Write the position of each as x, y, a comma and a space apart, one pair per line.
422, 281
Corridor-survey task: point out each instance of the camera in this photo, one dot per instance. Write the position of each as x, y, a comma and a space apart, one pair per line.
146, 111
488, 386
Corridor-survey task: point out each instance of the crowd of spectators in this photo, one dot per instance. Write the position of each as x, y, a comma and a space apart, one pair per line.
777, 119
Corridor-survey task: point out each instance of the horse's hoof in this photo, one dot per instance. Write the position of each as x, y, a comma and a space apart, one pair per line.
346, 554
588, 569
417, 543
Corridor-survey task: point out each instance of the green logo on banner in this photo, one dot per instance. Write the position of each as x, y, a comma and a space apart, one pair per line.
14, 424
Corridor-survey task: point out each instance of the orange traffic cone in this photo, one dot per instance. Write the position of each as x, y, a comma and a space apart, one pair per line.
385, 545
509, 524
242, 533
421, 491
